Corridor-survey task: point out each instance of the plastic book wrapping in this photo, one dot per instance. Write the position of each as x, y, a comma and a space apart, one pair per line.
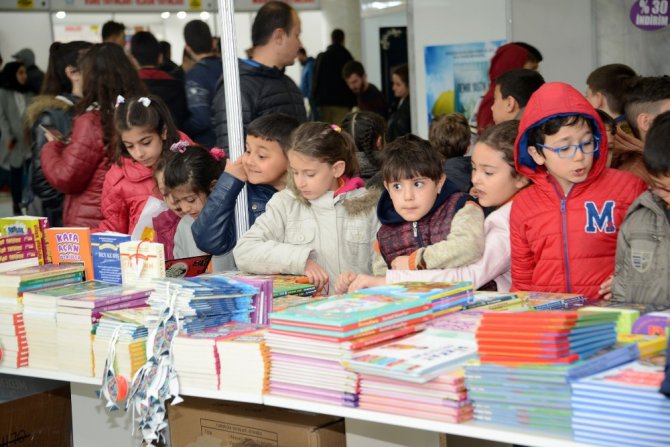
106, 255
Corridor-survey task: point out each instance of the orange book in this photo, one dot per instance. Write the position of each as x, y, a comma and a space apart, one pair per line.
71, 244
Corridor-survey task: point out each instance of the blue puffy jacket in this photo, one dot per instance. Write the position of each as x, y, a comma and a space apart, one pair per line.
214, 229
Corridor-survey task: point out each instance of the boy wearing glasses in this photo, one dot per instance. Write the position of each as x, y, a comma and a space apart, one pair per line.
643, 246
563, 228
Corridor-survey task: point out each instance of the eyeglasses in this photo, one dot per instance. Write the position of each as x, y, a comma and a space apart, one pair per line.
569, 151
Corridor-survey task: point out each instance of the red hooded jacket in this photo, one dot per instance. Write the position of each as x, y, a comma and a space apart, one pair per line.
566, 242
507, 57
78, 170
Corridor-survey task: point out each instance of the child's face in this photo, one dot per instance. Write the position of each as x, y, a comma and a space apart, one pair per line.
167, 196
143, 144
661, 187
492, 177
312, 177
566, 171
188, 201
264, 161
413, 198
502, 108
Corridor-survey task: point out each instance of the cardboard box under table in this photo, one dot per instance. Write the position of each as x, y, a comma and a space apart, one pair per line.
34, 412
203, 422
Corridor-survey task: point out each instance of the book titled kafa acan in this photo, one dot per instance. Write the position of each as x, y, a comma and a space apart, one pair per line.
71, 245
106, 256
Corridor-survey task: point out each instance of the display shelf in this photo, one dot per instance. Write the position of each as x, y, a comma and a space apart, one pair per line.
468, 429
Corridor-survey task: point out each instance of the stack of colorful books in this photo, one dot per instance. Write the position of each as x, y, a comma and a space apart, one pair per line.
528, 360
33, 226
130, 346
445, 297
308, 342
77, 319
17, 251
196, 359
245, 363
623, 406
262, 300
13, 285
39, 314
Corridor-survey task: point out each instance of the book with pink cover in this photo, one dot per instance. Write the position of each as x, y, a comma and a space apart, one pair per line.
641, 377
432, 413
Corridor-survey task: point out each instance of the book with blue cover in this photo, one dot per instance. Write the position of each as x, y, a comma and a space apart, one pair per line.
431, 290
349, 310
106, 256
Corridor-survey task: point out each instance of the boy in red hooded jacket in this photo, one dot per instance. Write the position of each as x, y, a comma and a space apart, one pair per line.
564, 227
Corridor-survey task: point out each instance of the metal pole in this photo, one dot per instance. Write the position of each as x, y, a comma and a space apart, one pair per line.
231, 84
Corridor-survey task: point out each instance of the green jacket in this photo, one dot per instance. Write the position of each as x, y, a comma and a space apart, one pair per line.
642, 272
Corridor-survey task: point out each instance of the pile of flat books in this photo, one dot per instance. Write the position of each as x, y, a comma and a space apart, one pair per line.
309, 342
39, 314
245, 363
444, 297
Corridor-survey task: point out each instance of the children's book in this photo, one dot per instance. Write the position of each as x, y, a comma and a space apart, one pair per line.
430, 290
104, 297
187, 267
38, 273
71, 245
654, 323
29, 225
106, 255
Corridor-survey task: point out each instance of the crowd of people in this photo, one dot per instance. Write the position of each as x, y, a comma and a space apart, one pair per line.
556, 190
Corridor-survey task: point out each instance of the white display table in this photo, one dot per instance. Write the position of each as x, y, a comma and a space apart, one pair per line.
93, 425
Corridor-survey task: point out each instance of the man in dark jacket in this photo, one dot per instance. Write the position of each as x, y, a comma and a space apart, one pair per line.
201, 82
264, 88
330, 92
146, 51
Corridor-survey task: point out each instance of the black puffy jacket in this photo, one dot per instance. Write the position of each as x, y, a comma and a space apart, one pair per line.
49, 111
263, 90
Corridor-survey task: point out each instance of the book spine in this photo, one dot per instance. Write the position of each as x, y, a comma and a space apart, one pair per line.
51, 282
617, 357
44, 243
17, 239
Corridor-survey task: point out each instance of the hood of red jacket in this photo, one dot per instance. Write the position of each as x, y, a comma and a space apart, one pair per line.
551, 100
134, 171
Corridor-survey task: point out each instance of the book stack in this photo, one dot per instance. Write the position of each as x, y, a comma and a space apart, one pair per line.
39, 314
528, 360
444, 297
77, 318
130, 348
17, 251
442, 399
262, 300
29, 225
13, 342
551, 301
286, 301
308, 342
623, 406
13, 284
244, 363
195, 356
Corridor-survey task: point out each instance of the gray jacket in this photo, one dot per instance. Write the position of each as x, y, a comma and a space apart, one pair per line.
643, 254
12, 111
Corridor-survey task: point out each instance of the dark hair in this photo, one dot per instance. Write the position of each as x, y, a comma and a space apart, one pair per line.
327, 143
271, 16
656, 154
352, 67
112, 28
450, 135
643, 95
337, 36
611, 80
608, 121
402, 71
501, 137
198, 37
365, 128
107, 73
195, 167
61, 56
538, 133
10, 81
534, 54
302, 51
520, 84
145, 48
165, 49
410, 156
274, 127
155, 117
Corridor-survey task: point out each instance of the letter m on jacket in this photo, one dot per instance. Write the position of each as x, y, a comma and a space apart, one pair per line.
600, 220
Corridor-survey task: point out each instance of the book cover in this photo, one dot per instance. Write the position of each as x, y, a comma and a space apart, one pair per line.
71, 245
28, 225
141, 260
654, 323
38, 273
429, 290
187, 267
106, 255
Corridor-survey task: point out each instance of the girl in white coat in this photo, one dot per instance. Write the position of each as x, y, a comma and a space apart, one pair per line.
324, 223
495, 183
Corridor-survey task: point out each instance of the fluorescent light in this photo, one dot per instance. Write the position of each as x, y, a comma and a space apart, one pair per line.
165, 15
204, 15
181, 15
61, 15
